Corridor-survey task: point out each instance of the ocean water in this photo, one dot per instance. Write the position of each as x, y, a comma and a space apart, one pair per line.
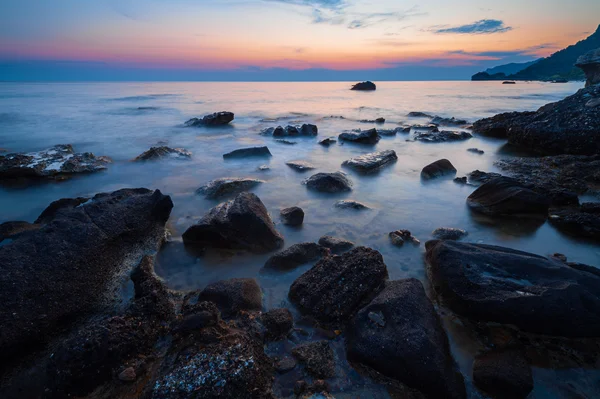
122, 120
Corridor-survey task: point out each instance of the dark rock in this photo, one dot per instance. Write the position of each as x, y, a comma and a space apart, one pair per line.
248, 152
160, 152
227, 186
503, 373
12, 230
329, 182
296, 255
317, 357
429, 127
301, 166
337, 245
399, 237
318, 389
480, 177
400, 335
215, 119
497, 126
78, 254
286, 142
278, 323
506, 196
198, 320
590, 64
438, 120
442, 136
127, 375
306, 129
57, 206
151, 295
348, 204
293, 216
378, 120
438, 168
509, 82
390, 132
56, 162
461, 180
234, 295
502, 285
327, 142
368, 85
371, 161
417, 114
285, 364
583, 221
361, 136
476, 151
333, 289
448, 233
242, 223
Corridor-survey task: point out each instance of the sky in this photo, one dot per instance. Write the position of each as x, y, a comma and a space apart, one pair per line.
281, 39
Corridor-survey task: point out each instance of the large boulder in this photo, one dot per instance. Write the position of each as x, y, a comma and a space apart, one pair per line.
56, 162
400, 335
227, 186
590, 64
497, 126
335, 182
161, 152
365, 86
495, 284
61, 272
211, 120
296, 255
582, 221
242, 223
361, 136
336, 287
441, 167
233, 296
503, 373
371, 161
248, 152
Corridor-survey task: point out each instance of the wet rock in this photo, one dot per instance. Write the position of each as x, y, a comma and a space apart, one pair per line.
371, 161
215, 119
286, 142
368, 85
390, 132
161, 152
248, 152
285, 364
296, 255
506, 196
480, 177
348, 204
55, 162
418, 114
336, 245
476, 151
582, 221
438, 120
12, 230
199, 318
360, 136
448, 233
430, 127
306, 129
399, 237
333, 289
593, 103
317, 357
502, 285
400, 335
503, 373
79, 251
438, 168
225, 186
278, 323
461, 180
242, 223
329, 182
327, 142
590, 64
293, 216
300, 166
151, 295
442, 136
234, 295
497, 126
127, 375
378, 120
509, 82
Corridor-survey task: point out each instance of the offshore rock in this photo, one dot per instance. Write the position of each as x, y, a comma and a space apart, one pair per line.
211, 120
227, 186
371, 161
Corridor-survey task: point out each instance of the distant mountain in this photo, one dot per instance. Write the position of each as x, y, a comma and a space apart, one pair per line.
559, 66
509, 69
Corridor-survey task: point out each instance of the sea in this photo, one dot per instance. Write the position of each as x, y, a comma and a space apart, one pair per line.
122, 120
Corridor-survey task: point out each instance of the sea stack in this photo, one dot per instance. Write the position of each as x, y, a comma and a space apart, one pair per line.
590, 64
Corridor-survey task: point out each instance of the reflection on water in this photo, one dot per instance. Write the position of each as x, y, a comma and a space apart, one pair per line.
122, 120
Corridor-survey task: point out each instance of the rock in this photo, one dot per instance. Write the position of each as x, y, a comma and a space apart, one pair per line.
503, 373
55, 162
400, 335
79, 252
438, 120
442, 136
476, 151
378, 120
498, 125
438, 168
337, 245
300, 166
199, 318
278, 323
461, 180
317, 357
12, 230
583, 221
399, 237
390, 132
286, 142
329, 182
160, 152
590, 64
225, 186
418, 114
506, 196
327, 142
317, 390
480, 177
368, 85
348, 204
593, 103
248, 152
127, 375
242, 223
509, 82
234, 295
215, 119
284, 365
371, 161
502, 285
296, 255
333, 289
448, 233
306, 129
429, 127
293, 216
360, 136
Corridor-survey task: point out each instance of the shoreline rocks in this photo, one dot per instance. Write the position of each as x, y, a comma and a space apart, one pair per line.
438, 168
371, 161
233, 296
582, 221
336, 245
296, 255
360, 136
335, 182
248, 152
504, 373
155, 153
437, 136
227, 186
350, 204
293, 216
448, 233
211, 120
300, 166
306, 129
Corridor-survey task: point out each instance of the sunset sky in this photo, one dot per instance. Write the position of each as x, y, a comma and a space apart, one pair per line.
280, 39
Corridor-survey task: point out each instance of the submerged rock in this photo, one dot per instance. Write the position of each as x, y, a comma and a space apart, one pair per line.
378, 120
590, 64
349, 204
233, 296
441, 136
390, 132
329, 182
55, 162
582, 221
317, 357
495, 284
371, 161
327, 142
293, 216
400, 335
476, 151
333, 289
480, 177
242, 223
227, 186
296, 255
418, 114
248, 152
336, 245
361, 136
438, 120
438, 168
215, 119
163, 151
286, 142
301, 166
368, 85
503, 373
448, 233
